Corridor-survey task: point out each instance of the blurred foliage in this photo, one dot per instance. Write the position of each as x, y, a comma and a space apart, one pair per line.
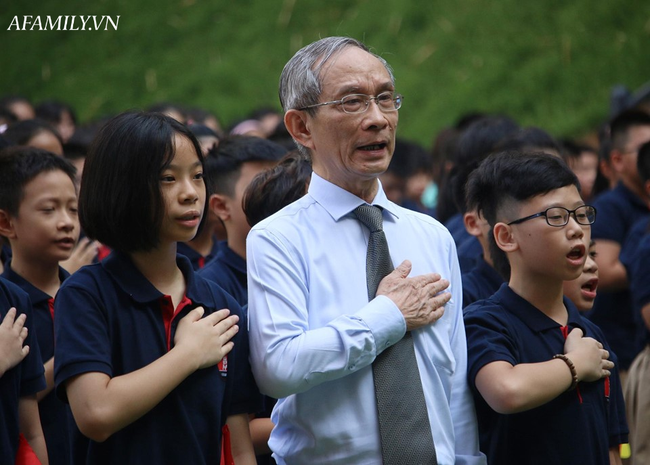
550, 63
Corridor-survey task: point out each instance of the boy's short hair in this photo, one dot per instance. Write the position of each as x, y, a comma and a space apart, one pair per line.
275, 188
120, 201
505, 179
223, 165
530, 139
19, 165
21, 132
643, 162
620, 126
52, 111
479, 140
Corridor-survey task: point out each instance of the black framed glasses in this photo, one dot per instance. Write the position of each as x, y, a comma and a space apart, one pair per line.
559, 216
359, 103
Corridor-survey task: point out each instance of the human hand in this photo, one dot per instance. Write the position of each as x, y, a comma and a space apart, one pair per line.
207, 340
82, 255
417, 297
588, 355
12, 336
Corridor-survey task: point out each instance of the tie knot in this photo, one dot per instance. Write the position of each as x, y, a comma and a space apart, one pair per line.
370, 216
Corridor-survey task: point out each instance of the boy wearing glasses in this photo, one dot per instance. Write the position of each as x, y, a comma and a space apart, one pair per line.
544, 381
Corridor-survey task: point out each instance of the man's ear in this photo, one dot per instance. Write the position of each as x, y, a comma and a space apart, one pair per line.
220, 206
298, 125
6, 225
504, 237
616, 160
471, 224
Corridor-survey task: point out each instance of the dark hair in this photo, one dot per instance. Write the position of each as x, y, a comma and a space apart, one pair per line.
7, 101
52, 111
530, 139
201, 130
511, 177
572, 150
277, 187
223, 165
164, 107
120, 202
21, 132
19, 165
643, 162
476, 142
620, 126
409, 158
78, 145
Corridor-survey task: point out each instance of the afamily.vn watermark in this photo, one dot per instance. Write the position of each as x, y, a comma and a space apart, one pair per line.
64, 23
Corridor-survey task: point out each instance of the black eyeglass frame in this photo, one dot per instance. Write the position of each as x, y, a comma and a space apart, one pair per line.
395, 98
569, 212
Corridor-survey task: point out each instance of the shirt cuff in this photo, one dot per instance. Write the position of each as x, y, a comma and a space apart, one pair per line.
385, 321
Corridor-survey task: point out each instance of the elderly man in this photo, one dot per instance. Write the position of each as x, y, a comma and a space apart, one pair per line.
367, 370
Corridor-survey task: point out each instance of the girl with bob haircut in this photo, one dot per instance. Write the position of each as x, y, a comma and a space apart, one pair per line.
152, 358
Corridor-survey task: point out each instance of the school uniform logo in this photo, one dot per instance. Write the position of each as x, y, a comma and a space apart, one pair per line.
223, 367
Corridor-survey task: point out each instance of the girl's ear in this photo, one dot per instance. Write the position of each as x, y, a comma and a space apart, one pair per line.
504, 237
6, 225
298, 125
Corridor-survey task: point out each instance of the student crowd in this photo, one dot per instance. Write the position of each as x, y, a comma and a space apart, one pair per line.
113, 349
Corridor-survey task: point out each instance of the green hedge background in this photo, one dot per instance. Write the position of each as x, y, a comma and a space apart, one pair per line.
546, 63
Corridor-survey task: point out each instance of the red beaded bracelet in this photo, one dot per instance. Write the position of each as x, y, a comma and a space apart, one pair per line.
572, 367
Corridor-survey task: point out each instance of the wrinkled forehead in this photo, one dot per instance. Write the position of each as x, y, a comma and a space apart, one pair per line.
348, 61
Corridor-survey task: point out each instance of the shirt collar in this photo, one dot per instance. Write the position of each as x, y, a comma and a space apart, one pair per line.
535, 319
121, 268
338, 202
232, 259
36, 296
631, 196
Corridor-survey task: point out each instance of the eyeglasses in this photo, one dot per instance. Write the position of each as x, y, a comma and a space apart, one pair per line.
559, 216
359, 103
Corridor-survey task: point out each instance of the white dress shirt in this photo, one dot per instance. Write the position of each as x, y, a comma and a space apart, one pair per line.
314, 335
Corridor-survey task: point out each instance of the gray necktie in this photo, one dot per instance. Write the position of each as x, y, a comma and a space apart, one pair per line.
403, 421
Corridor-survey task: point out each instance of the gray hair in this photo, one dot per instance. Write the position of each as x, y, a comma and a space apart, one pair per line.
300, 81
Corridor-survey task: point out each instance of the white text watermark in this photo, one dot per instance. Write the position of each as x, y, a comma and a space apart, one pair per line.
64, 23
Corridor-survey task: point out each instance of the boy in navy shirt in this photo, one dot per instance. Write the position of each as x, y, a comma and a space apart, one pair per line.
618, 210
229, 171
637, 263
545, 388
21, 377
38, 215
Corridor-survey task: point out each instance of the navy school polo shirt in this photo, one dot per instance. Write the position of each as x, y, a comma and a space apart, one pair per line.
228, 270
111, 319
456, 227
25, 379
469, 252
480, 283
199, 261
577, 427
639, 270
53, 412
618, 210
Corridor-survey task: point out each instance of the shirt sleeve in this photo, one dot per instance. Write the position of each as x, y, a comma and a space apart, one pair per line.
287, 355
81, 335
487, 340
